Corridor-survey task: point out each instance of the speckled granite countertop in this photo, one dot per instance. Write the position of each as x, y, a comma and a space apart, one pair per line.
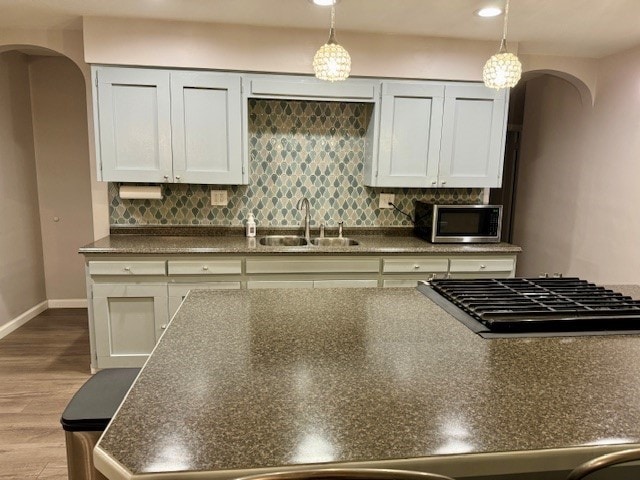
258, 379
369, 244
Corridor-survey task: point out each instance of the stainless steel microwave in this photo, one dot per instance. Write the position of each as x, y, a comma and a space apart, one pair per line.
458, 223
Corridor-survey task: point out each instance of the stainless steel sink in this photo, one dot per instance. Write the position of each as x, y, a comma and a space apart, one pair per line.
334, 242
283, 241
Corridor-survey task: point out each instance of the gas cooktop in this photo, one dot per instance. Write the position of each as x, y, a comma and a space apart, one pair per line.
525, 307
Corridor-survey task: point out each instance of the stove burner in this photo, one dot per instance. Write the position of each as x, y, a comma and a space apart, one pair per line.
562, 306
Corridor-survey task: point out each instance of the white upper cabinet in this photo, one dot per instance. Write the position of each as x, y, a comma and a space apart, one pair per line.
168, 126
410, 126
133, 131
439, 135
180, 126
206, 125
473, 135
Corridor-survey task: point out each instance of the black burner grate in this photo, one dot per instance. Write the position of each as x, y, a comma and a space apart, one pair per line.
541, 304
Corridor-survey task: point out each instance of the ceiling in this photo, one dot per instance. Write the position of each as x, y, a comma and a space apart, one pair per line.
585, 28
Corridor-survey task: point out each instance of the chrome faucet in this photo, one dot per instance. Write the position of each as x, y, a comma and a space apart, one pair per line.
304, 202
340, 224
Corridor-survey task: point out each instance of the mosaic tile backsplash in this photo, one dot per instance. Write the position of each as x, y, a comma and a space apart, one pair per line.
297, 149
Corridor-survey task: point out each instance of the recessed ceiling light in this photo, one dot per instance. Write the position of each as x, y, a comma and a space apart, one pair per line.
487, 12
324, 3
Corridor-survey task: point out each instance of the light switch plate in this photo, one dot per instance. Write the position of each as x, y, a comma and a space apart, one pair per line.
385, 199
219, 198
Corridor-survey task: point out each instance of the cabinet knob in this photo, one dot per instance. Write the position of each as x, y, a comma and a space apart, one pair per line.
416, 267
127, 269
434, 182
177, 177
444, 183
163, 327
205, 267
483, 266
166, 177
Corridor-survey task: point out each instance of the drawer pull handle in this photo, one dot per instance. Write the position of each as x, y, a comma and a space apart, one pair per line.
205, 267
127, 269
483, 266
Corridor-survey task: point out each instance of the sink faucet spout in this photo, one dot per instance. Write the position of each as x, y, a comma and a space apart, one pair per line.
304, 202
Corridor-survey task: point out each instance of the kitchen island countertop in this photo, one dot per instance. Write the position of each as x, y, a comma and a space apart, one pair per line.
233, 244
248, 380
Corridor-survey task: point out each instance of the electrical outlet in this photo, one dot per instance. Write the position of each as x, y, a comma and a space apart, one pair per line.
219, 198
386, 199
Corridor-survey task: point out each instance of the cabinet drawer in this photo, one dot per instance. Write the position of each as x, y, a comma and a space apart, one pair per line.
312, 265
257, 284
205, 267
406, 265
345, 283
476, 265
147, 267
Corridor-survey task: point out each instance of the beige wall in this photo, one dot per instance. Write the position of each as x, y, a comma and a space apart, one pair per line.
578, 195
239, 47
21, 266
62, 159
70, 44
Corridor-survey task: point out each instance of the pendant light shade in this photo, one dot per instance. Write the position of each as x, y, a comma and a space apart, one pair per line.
332, 62
502, 70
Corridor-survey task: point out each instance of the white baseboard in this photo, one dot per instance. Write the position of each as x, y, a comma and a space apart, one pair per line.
68, 303
20, 320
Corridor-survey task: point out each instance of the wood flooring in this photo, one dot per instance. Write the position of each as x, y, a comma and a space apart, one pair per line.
42, 364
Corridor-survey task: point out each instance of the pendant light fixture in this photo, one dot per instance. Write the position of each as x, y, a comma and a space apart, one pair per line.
503, 70
332, 62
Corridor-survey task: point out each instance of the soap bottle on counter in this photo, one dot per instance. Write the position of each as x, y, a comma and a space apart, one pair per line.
251, 226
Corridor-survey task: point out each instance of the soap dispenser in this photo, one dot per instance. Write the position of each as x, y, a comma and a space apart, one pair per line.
251, 226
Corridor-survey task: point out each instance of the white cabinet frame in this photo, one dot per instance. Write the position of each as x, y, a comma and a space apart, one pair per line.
128, 321
409, 138
206, 122
132, 124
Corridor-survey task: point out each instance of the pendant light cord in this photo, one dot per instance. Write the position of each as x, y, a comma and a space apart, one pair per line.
503, 43
332, 31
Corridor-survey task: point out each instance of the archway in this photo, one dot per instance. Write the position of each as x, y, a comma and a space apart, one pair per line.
586, 94
46, 182
582, 73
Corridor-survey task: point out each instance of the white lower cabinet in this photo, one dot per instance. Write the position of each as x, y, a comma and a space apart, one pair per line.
128, 321
133, 298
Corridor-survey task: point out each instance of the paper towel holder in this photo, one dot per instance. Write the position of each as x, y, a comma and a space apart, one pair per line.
140, 192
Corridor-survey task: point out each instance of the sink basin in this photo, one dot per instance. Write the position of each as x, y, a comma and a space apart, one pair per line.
334, 242
283, 241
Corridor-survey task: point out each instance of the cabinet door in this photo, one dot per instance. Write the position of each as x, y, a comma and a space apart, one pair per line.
410, 129
134, 123
473, 134
128, 321
207, 128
